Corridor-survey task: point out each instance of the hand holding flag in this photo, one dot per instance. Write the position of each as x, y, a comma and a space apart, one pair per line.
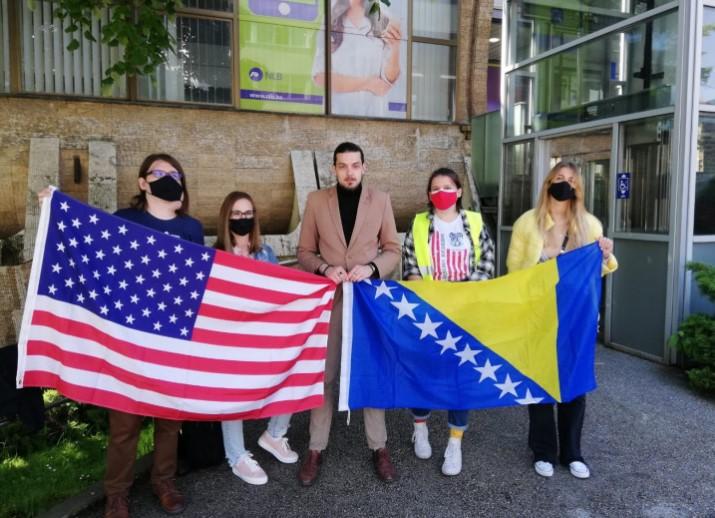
121, 316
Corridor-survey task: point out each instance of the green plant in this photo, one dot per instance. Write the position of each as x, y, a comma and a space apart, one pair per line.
695, 337
375, 7
39, 470
137, 26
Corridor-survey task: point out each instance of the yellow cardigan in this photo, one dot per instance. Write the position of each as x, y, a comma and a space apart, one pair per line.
527, 243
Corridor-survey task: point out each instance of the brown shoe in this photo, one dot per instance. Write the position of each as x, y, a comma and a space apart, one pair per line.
310, 468
117, 506
171, 500
383, 465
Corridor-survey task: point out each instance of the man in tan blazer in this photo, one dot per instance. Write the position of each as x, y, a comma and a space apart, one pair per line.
348, 234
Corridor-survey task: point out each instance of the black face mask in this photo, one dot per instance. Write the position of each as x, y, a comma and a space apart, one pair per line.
562, 191
241, 226
166, 188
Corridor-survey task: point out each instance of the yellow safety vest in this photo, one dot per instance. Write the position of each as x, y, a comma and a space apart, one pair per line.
420, 235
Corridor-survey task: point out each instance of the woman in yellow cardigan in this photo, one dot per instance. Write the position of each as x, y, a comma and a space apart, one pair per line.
559, 223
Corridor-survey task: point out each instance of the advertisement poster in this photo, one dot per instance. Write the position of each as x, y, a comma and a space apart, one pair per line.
277, 45
283, 57
368, 57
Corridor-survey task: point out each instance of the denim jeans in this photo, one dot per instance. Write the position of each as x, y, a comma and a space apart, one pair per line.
233, 435
457, 419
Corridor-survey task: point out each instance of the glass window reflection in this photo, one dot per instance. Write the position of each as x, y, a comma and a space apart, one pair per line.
211, 5
433, 81
704, 217
541, 25
200, 71
621, 73
518, 174
4, 49
647, 157
435, 19
707, 56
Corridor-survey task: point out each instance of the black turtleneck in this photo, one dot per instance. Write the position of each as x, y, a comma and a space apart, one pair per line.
348, 200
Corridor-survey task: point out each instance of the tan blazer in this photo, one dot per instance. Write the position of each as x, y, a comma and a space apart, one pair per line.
374, 236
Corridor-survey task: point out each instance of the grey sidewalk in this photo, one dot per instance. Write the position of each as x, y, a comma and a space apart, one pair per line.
649, 440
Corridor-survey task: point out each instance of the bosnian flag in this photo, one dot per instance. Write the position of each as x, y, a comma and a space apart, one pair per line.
124, 317
524, 338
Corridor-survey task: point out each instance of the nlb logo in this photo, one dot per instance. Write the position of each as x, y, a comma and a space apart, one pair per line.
255, 74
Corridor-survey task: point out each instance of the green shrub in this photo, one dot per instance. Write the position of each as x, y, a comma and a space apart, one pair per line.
40, 470
695, 337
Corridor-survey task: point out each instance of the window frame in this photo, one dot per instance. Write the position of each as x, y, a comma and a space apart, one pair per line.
201, 14
411, 40
231, 17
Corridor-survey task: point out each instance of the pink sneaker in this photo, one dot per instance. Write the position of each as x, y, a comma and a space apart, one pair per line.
249, 471
279, 448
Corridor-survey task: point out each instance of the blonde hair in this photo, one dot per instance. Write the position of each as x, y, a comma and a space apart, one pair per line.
577, 213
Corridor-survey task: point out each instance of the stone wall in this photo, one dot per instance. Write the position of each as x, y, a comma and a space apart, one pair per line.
220, 149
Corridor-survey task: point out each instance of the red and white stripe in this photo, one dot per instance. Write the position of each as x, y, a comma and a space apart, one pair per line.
257, 349
448, 264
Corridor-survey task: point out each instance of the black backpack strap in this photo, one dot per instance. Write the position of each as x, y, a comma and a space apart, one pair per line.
563, 245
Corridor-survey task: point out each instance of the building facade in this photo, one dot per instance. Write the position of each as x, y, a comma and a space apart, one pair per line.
624, 89
255, 98
250, 82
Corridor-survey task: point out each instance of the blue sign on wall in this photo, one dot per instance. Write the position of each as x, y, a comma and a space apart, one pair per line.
623, 186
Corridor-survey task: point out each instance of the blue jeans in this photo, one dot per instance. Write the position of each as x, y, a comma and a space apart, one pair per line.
457, 419
233, 435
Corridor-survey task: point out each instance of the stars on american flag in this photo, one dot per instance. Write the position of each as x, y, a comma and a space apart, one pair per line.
125, 273
428, 325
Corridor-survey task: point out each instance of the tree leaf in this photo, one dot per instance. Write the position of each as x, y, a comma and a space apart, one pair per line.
139, 27
107, 86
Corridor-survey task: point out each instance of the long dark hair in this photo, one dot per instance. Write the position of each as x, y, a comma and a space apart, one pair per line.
449, 173
224, 237
139, 201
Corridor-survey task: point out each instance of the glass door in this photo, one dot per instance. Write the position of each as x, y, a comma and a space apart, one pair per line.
641, 235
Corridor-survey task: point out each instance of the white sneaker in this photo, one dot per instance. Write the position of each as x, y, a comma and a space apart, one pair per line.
249, 471
279, 448
579, 470
452, 457
420, 437
543, 468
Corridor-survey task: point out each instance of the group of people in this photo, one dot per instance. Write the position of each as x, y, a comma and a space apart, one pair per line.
348, 234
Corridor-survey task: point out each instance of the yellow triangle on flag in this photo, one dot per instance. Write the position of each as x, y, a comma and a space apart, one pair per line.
515, 316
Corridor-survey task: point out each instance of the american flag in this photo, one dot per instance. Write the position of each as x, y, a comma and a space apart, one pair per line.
124, 317
452, 265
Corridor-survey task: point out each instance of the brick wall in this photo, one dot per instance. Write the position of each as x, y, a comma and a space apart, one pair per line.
221, 150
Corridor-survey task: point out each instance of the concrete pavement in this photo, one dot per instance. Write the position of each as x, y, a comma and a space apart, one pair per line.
649, 440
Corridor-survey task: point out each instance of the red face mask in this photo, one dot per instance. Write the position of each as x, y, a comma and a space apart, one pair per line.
442, 200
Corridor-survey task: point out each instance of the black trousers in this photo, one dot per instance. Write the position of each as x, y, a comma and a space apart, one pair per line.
545, 442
